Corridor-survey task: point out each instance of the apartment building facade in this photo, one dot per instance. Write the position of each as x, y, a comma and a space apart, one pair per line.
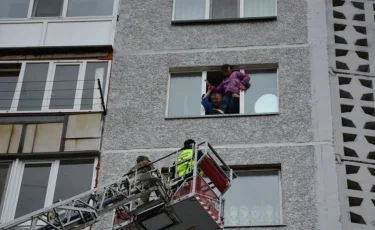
55, 64
280, 143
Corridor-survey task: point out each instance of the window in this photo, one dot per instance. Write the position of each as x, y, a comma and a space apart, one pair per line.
254, 199
90, 8
55, 8
4, 178
35, 185
14, 8
53, 87
188, 10
47, 8
186, 92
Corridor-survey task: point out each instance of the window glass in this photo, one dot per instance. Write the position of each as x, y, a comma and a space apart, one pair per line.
262, 96
8, 81
64, 87
185, 94
33, 85
48, 8
81, 171
190, 10
90, 8
225, 9
14, 8
4, 176
259, 8
33, 188
91, 95
253, 199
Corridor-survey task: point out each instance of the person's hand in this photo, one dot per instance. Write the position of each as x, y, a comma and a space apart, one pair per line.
235, 95
242, 87
211, 87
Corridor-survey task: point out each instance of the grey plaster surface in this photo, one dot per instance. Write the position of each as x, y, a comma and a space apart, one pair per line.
146, 25
137, 102
298, 177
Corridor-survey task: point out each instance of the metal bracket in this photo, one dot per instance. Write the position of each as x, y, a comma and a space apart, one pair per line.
102, 97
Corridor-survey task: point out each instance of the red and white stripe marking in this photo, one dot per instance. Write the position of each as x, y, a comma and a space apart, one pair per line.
210, 210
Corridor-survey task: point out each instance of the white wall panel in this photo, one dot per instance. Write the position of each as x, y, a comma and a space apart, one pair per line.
78, 33
20, 34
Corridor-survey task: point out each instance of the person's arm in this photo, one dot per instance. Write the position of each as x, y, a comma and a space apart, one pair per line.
245, 78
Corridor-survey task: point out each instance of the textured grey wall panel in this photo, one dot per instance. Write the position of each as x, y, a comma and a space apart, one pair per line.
137, 102
298, 178
146, 25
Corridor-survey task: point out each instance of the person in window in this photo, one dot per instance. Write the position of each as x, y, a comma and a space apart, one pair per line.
215, 106
230, 87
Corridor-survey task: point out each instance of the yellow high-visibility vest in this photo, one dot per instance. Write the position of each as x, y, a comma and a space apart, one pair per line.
188, 164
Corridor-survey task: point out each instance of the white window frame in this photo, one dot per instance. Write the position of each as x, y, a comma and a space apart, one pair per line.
97, 107
280, 197
15, 179
242, 95
64, 11
208, 12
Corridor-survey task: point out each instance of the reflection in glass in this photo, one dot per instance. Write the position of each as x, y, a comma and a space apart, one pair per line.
78, 8
190, 10
262, 97
33, 188
4, 176
259, 8
14, 8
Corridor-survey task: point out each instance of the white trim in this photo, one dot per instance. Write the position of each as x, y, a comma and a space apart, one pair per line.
96, 161
276, 7
281, 219
168, 91
174, 10
17, 188
30, 10
116, 7
277, 89
64, 9
49, 86
204, 86
52, 183
208, 9
242, 8
43, 36
242, 98
9, 193
106, 89
17, 90
79, 86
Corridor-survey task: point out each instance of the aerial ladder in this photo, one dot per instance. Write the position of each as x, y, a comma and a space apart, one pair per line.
179, 203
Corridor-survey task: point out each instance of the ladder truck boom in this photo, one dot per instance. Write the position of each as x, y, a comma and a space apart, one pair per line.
179, 204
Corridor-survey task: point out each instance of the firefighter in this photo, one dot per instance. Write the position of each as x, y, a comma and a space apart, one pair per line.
142, 161
185, 161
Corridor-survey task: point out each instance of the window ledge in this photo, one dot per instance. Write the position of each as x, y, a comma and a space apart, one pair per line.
225, 20
221, 116
258, 226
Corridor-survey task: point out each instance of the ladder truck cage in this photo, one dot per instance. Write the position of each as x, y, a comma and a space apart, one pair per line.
193, 201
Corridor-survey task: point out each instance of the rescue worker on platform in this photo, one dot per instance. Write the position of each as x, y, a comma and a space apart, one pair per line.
185, 162
142, 161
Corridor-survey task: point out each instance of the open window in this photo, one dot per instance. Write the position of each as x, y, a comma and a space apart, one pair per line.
187, 95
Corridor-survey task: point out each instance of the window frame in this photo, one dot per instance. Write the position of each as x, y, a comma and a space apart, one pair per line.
208, 14
49, 85
278, 170
242, 94
12, 191
64, 11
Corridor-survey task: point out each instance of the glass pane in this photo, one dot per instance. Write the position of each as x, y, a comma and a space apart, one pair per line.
33, 85
185, 94
262, 96
89, 8
94, 71
4, 176
64, 87
259, 8
48, 8
14, 8
81, 171
190, 9
253, 199
8, 81
33, 188
225, 9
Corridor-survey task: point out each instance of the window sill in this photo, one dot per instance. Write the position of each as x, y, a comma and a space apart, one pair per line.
258, 226
225, 20
221, 116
